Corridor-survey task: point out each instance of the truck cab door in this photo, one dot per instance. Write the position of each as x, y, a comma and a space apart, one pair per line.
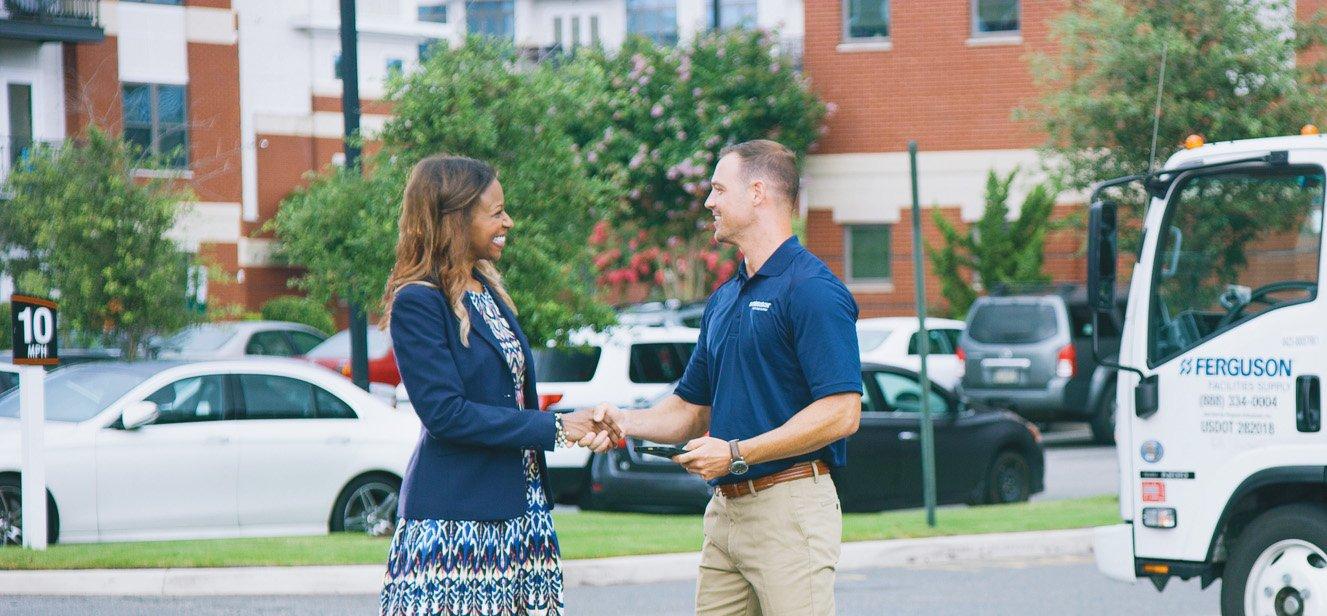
1227, 318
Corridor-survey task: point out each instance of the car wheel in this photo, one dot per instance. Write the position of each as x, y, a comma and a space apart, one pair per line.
1103, 420
367, 505
11, 514
1275, 561
1009, 480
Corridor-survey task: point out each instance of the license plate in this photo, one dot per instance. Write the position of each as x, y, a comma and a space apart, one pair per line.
1004, 376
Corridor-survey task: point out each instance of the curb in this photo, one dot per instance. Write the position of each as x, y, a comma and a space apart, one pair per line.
367, 579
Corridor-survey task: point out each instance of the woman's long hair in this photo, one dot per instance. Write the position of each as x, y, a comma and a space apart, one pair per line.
433, 247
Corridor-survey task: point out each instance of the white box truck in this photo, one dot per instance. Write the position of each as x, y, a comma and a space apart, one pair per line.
1222, 455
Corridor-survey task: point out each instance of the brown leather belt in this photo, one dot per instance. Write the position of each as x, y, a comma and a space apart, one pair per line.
801, 470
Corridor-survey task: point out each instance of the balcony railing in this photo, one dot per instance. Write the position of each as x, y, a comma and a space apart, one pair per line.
51, 20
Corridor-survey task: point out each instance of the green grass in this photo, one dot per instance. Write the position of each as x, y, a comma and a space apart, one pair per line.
582, 535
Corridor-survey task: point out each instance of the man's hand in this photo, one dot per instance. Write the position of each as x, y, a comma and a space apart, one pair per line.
707, 457
597, 428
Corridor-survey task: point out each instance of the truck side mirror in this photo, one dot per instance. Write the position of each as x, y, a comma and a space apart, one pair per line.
1102, 251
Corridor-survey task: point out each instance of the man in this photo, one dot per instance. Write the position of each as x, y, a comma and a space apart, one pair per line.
775, 380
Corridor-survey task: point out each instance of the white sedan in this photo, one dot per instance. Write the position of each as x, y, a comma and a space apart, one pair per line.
174, 450
894, 341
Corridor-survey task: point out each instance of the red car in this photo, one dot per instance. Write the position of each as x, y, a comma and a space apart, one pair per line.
334, 353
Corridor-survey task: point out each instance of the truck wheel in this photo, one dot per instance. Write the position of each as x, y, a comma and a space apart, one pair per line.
1103, 420
1279, 564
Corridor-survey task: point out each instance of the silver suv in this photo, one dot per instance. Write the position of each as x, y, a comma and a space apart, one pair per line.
1032, 354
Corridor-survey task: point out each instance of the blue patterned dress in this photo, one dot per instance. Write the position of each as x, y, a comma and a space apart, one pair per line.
503, 568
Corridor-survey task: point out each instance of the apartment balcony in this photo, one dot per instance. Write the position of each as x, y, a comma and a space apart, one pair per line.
44, 21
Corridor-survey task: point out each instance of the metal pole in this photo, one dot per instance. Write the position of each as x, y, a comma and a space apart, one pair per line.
924, 345
32, 411
359, 324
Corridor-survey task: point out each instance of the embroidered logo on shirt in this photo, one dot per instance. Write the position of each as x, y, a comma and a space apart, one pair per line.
761, 306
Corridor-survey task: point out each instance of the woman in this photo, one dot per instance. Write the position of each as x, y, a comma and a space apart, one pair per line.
475, 535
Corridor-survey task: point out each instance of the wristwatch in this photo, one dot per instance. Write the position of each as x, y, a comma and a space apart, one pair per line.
738, 466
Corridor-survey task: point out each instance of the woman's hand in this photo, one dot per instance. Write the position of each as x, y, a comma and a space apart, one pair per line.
598, 428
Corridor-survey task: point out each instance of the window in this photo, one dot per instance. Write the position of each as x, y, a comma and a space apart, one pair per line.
433, 13
395, 65
1260, 255
576, 31
994, 16
427, 48
566, 365
494, 18
330, 406
304, 342
269, 343
276, 397
660, 362
732, 13
156, 121
1010, 323
557, 31
871, 339
338, 346
20, 121
594, 31
940, 342
865, 19
902, 394
867, 247
653, 19
200, 398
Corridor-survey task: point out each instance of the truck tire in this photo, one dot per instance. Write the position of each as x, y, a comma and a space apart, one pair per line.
1103, 420
1285, 543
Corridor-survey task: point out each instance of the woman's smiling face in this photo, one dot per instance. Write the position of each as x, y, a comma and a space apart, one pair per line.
489, 224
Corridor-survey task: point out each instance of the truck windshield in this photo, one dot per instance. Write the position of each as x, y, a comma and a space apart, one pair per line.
1237, 244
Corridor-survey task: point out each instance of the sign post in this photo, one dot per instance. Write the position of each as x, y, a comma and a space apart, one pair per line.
36, 344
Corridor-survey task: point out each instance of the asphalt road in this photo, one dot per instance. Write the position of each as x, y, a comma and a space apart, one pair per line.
1077, 468
1045, 586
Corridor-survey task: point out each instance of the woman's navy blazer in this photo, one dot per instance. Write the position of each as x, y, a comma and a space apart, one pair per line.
469, 463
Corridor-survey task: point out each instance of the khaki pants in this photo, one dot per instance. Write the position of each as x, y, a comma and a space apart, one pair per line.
772, 553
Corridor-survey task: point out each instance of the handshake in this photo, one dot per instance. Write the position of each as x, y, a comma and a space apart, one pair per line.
600, 428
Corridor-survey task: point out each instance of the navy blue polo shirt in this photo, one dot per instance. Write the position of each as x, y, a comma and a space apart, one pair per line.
770, 345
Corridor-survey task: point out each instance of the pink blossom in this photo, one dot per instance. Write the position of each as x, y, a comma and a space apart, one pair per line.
831, 108
696, 92
712, 141
674, 241
726, 122
774, 68
655, 111
592, 157
681, 135
636, 161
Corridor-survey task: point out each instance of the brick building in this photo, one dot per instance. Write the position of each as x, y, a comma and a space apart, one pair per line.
948, 74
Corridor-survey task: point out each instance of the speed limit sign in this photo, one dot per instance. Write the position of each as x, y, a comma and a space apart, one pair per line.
33, 321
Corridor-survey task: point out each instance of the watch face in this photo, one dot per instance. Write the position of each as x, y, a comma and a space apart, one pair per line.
738, 467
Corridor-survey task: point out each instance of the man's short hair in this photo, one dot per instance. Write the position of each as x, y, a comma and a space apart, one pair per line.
770, 161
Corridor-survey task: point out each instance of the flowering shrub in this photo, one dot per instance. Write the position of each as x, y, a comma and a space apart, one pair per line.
655, 133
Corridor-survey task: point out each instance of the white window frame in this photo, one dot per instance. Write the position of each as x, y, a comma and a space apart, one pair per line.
847, 256
1001, 34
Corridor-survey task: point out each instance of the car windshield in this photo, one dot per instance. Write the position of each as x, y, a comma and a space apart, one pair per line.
338, 346
870, 339
78, 393
198, 338
1001, 323
566, 364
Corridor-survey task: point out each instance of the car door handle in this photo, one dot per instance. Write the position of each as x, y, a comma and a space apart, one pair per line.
216, 440
1308, 403
908, 435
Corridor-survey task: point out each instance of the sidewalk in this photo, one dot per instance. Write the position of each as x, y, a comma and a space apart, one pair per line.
366, 579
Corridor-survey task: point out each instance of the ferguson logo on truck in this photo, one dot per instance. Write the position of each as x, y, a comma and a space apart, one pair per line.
1236, 366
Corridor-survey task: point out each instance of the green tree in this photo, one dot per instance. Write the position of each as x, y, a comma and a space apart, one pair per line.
297, 309
80, 222
655, 133
994, 250
477, 101
1235, 69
